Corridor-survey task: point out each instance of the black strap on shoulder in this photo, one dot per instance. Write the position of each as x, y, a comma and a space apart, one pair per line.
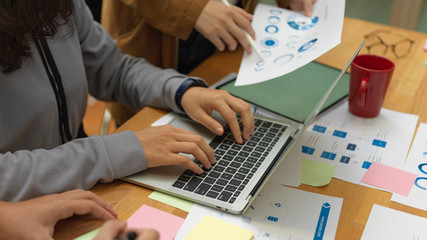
56, 82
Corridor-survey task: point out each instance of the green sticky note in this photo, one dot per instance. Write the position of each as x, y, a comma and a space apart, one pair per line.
210, 228
171, 200
89, 235
315, 173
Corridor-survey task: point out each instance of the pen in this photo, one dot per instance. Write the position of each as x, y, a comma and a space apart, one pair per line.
130, 236
250, 39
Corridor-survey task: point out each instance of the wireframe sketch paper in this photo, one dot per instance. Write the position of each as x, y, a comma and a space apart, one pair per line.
386, 223
289, 40
278, 212
417, 164
352, 143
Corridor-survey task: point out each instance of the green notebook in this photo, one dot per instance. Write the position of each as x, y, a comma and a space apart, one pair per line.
295, 94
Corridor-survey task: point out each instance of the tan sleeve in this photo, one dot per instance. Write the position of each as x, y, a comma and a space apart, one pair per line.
283, 3
173, 17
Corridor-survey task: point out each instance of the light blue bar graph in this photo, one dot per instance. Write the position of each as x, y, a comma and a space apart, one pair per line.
339, 134
379, 143
319, 128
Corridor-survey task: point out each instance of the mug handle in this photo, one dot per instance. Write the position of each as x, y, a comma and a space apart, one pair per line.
361, 96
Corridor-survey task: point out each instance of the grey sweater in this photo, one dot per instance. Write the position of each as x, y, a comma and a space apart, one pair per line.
33, 161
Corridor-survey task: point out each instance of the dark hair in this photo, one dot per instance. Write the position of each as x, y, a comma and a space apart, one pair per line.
22, 21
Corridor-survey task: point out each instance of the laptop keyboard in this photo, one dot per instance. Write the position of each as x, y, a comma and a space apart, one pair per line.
236, 163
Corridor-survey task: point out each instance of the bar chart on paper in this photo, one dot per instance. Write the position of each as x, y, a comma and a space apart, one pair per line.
279, 212
352, 143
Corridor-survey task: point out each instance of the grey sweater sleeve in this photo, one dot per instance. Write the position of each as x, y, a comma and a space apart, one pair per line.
34, 162
80, 163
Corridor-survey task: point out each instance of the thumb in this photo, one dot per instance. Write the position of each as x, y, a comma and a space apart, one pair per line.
110, 230
308, 8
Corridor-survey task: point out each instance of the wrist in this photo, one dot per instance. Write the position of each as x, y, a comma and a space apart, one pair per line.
188, 83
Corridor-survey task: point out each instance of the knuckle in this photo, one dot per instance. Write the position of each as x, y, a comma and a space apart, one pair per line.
193, 147
246, 106
198, 139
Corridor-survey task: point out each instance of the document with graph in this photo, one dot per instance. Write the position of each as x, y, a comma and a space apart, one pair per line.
387, 223
289, 40
352, 143
417, 163
279, 212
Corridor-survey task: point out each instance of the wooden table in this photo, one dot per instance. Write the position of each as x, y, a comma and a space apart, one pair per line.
407, 93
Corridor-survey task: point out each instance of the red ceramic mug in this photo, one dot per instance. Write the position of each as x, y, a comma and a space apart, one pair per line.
369, 79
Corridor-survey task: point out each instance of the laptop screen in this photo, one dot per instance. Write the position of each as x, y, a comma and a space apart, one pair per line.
295, 94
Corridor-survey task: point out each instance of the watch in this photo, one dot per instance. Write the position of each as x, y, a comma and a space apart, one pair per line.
188, 83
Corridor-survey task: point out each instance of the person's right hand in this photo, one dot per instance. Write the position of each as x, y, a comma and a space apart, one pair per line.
36, 218
163, 144
113, 229
303, 5
223, 25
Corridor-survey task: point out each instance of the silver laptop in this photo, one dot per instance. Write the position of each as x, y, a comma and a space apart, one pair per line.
241, 170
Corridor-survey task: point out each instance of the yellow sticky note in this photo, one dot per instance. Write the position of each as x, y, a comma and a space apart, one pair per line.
210, 228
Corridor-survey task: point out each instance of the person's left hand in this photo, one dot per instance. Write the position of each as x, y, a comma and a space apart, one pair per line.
300, 5
199, 103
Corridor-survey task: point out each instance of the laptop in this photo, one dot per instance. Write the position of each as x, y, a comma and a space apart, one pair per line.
241, 170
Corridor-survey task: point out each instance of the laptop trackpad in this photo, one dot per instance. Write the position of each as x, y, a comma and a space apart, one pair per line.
192, 126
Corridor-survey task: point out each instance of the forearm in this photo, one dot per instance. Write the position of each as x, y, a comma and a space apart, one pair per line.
77, 164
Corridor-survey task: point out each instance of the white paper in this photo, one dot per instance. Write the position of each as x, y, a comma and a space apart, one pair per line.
288, 172
389, 224
352, 143
289, 40
417, 163
279, 213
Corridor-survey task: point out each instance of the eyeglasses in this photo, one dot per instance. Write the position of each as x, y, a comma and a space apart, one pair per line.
380, 41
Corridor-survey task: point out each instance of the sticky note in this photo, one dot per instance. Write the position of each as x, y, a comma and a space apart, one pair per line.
148, 217
389, 178
315, 173
171, 200
425, 46
210, 228
89, 235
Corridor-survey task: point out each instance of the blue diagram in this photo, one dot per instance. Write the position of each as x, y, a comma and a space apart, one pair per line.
307, 150
307, 45
270, 42
276, 11
366, 164
299, 22
345, 159
339, 134
379, 143
272, 29
318, 128
273, 19
351, 147
272, 219
283, 59
328, 155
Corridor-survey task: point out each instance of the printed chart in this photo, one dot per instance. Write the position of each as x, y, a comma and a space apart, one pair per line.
417, 163
352, 143
279, 213
288, 40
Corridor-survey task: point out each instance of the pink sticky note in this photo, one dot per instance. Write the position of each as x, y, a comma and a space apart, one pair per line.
425, 46
389, 178
165, 223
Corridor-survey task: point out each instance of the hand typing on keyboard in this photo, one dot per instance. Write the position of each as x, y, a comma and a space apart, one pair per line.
208, 100
163, 144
